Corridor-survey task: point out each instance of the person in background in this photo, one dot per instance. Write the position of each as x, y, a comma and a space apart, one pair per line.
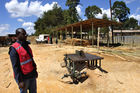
24, 67
51, 42
56, 41
48, 39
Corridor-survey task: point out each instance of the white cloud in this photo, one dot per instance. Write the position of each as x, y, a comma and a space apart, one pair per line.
107, 11
129, 1
3, 29
17, 9
25, 9
48, 6
78, 8
30, 30
136, 17
29, 26
20, 20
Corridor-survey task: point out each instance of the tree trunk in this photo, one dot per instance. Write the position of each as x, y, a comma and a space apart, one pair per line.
108, 39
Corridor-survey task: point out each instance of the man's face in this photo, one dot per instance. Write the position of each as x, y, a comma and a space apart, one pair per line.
22, 36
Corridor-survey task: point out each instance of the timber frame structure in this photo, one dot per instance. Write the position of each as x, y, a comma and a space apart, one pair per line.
88, 25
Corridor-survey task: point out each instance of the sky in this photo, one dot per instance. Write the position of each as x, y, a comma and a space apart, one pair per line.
23, 13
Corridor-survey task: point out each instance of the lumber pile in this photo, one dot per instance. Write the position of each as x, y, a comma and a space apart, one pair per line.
77, 42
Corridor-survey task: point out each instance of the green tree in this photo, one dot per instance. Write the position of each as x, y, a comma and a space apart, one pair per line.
72, 4
130, 23
105, 16
49, 20
120, 11
39, 26
67, 17
138, 27
92, 11
105, 30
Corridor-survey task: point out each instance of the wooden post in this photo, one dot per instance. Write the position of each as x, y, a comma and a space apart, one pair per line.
81, 32
121, 37
66, 32
108, 38
98, 40
72, 31
61, 35
92, 33
111, 20
96, 63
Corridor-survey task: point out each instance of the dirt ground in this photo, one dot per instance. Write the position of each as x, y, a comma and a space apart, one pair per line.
123, 73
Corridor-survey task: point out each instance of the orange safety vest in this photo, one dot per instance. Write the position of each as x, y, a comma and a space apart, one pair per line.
26, 62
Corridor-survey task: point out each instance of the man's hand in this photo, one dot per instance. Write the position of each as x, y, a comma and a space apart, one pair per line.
21, 85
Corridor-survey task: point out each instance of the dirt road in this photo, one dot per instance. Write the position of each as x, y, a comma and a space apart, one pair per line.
123, 76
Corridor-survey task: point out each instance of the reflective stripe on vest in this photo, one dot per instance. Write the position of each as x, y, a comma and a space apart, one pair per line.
25, 62
18, 47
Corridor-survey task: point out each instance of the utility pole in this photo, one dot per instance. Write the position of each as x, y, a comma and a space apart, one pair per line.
111, 20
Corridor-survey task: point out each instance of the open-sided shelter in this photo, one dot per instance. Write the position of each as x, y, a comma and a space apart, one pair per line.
88, 25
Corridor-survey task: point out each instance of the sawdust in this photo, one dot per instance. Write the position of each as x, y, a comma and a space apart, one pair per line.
122, 76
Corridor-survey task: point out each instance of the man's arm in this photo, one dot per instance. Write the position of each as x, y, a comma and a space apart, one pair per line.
15, 64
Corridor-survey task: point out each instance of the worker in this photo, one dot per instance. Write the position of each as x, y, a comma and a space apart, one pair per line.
48, 39
24, 67
56, 41
51, 42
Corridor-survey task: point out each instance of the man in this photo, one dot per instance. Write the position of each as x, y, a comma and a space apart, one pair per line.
24, 67
56, 40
